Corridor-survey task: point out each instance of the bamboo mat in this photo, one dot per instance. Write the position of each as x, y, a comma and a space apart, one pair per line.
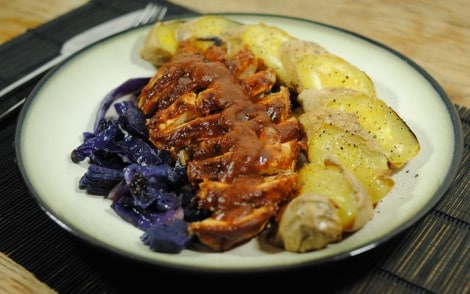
433, 256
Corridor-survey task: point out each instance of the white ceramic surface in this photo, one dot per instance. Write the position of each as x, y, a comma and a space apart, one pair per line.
65, 102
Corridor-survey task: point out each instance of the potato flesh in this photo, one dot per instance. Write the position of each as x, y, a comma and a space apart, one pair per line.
391, 133
160, 43
353, 205
330, 71
290, 52
200, 30
370, 167
265, 41
164, 37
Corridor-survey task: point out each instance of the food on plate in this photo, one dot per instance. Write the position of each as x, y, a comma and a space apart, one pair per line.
298, 64
163, 39
147, 187
309, 222
334, 182
254, 130
379, 120
234, 131
337, 139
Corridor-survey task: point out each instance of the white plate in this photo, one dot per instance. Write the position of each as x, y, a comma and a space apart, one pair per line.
63, 105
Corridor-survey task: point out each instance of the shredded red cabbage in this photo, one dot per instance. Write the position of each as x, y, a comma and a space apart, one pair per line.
147, 187
167, 237
131, 86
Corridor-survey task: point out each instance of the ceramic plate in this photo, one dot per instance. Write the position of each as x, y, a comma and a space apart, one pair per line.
64, 104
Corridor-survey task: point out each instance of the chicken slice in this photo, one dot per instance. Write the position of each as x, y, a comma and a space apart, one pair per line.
270, 160
241, 210
181, 136
236, 130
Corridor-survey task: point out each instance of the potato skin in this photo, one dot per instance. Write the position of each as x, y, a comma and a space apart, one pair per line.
353, 204
309, 222
160, 43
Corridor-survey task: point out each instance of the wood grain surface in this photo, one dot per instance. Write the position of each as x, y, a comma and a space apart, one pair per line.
15, 279
17, 16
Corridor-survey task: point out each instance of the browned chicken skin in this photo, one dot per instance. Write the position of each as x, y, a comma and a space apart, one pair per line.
239, 136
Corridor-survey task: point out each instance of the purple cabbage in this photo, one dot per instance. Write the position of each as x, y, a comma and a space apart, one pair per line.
151, 185
129, 87
143, 218
100, 180
118, 191
147, 187
171, 237
103, 141
136, 150
132, 119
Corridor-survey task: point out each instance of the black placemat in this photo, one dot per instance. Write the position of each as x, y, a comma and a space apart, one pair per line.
430, 257
37, 46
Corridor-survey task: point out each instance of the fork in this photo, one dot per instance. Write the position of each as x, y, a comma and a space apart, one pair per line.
151, 13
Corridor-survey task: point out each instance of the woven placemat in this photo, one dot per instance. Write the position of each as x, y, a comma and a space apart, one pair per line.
430, 257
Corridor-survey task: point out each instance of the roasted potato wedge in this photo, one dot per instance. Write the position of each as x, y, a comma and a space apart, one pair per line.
291, 51
392, 134
353, 204
160, 43
338, 139
164, 37
320, 71
204, 31
265, 42
309, 222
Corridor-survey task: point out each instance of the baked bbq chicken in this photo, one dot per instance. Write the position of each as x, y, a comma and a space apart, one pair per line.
232, 125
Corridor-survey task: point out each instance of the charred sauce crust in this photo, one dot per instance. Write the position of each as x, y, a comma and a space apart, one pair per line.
233, 124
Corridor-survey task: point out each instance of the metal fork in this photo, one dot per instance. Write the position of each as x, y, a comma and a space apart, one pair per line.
151, 13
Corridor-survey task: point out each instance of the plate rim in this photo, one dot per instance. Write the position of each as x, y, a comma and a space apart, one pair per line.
358, 250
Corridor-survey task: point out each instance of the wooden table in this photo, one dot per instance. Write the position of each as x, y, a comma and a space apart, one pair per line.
435, 34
